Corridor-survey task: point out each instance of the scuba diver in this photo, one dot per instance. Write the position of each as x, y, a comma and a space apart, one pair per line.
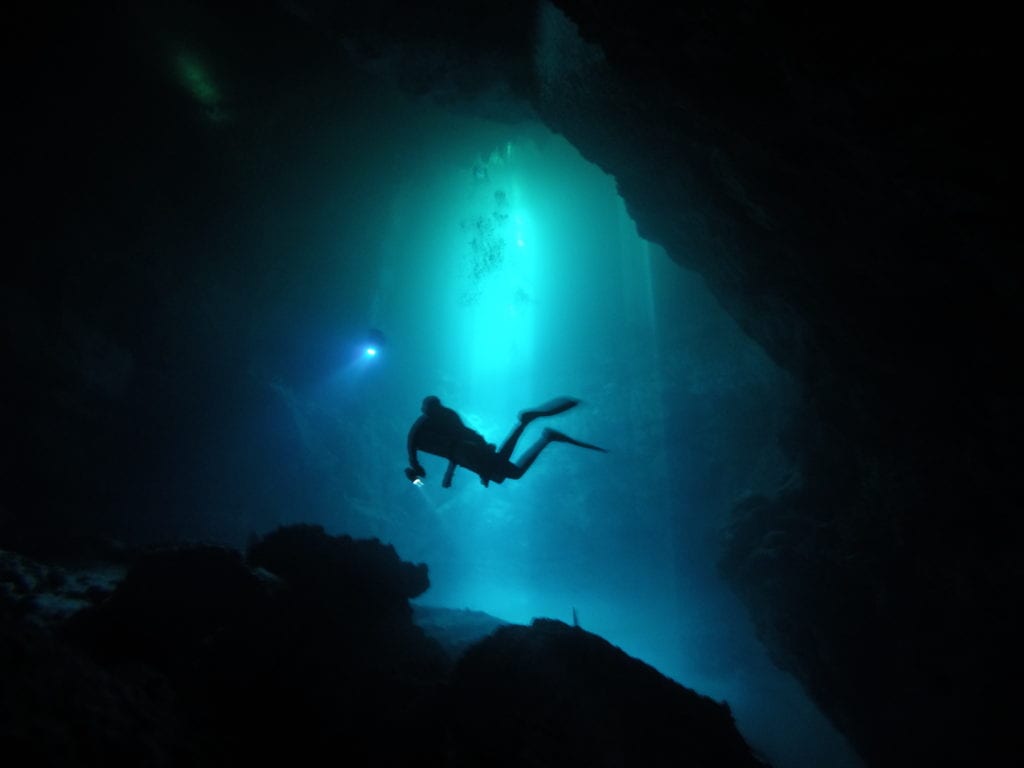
441, 432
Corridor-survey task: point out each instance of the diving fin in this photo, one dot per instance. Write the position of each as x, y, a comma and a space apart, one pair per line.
550, 408
561, 437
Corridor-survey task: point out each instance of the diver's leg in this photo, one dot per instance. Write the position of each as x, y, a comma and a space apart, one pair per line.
550, 408
517, 470
505, 452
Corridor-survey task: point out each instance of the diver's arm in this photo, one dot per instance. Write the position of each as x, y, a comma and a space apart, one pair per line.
412, 449
447, 481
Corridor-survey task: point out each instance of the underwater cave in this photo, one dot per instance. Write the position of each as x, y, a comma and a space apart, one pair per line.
768, 258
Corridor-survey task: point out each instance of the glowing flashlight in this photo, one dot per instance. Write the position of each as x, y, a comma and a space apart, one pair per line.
373, 343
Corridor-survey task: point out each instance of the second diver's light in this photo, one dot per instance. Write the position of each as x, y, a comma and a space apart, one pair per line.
373, 343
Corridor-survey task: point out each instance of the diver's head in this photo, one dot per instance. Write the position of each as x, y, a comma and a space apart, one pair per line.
431, 403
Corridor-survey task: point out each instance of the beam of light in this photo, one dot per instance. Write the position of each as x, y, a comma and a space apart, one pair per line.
497, 327
351, 370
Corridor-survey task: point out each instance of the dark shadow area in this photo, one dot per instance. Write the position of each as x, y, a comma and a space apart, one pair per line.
305, 649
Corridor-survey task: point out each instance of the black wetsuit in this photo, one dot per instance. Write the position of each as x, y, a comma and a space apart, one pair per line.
442, 433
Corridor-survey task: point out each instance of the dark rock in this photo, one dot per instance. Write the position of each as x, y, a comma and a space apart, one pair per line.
279, 666
555, 695
58, 707
46, 594
172, 606
198, 660
455, 630
308, 558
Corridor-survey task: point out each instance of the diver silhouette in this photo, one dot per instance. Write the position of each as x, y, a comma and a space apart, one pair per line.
440, 431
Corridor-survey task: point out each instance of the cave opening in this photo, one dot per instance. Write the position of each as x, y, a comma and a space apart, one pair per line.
503, 269
218, 281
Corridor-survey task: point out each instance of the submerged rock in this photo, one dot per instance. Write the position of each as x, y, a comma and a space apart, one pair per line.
306, 556
554, 695
308, 650
455, 630
313, 651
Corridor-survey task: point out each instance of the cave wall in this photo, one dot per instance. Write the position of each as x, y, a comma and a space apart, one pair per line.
842, 185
